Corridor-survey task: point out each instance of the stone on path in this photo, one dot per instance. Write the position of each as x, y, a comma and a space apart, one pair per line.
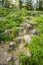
29, 27
22, 32
18, 40
8, 59
16, 62
27, 38
28, 18
26, 52
11, 45
7, 31
34, 32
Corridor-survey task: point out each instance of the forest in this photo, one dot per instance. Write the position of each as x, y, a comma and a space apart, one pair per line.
21, 32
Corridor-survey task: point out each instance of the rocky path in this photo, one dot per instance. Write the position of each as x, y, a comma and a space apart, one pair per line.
26, 30
25, 35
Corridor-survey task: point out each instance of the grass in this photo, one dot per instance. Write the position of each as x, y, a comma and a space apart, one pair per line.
36, 44
11, 22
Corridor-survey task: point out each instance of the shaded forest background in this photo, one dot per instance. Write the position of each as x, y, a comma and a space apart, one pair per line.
27, 4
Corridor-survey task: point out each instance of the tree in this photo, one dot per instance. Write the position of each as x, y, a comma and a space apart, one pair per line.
29, 4
3, 3
20, 3
40, 4
7, 3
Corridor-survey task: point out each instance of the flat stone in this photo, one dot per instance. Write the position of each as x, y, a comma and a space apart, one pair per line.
8, 59
27, 38
11, 43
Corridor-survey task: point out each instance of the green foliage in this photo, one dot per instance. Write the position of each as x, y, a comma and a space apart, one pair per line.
3, 12
9, 22
35, 46
37, 51
10, 62
39, 21
24, 59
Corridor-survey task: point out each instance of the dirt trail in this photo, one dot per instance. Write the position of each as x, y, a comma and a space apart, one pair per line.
16, 51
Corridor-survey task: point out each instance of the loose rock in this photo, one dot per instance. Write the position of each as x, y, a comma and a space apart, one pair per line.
18, 40
27, 38
29, 27
11, 46
8, 32
34, 32
28, 18
8, 59
33, 14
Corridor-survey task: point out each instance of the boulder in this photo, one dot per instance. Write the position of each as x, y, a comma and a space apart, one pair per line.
27, 38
